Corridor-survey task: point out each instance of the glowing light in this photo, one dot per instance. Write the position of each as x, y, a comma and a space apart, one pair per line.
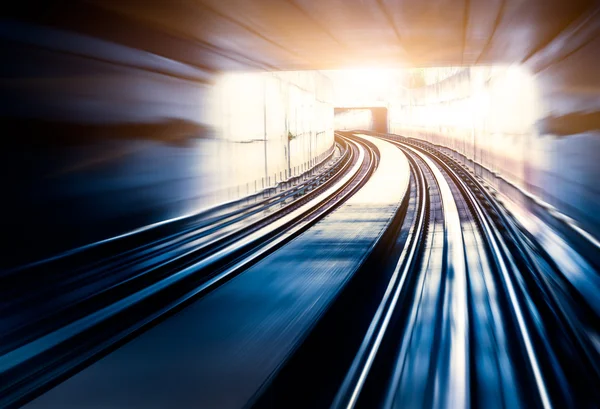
364, 86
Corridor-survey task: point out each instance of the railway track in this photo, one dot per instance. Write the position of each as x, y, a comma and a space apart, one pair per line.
456, 322
550, 325
456, 306
128, 263
472, 314
111, 292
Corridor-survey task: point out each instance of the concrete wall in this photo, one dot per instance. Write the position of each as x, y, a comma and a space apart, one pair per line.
275, 125
528, 128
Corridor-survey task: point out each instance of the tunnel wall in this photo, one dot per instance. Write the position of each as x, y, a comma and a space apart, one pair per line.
276, 124
512, 126
103, 138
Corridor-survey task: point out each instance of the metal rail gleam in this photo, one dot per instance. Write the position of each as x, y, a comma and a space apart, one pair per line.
36, 365
473, 314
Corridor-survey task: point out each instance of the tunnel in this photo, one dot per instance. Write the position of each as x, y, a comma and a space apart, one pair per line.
376, 118
87, 56
130, 128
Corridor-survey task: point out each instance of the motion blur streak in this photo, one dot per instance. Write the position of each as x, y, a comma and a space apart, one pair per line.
300, 204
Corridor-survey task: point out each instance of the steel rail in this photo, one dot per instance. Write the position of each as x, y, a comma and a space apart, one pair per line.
451, 375
348, 394
199, 219
454, 370
501, 255
582, 351
26, 378
119, 274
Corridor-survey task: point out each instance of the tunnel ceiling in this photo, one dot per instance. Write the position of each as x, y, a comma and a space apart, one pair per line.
318, 34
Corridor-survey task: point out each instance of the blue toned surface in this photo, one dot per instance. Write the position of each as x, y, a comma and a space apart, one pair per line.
219, 351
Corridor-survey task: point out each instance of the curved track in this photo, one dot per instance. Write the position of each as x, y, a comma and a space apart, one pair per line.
473, 314
453, 306
481, 326
106, 300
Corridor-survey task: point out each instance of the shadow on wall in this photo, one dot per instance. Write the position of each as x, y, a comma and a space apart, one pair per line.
569, 124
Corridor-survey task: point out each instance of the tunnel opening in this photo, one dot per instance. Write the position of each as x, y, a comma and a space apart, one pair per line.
247, 131
523, 130
364, 118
